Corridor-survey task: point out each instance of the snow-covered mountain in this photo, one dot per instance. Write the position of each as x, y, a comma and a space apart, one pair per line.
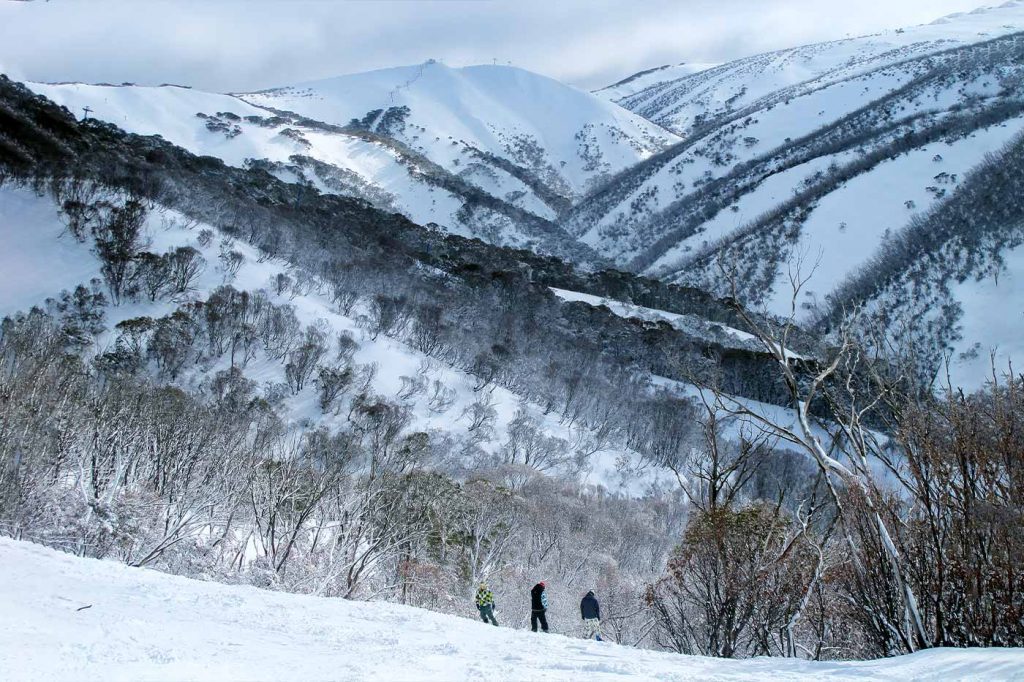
832, 149
827, 154
682, 98
565, 138
67, 617
641, 80
227, 351
489, 151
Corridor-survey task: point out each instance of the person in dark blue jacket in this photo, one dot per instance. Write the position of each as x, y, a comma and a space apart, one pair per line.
591, 612
538, 607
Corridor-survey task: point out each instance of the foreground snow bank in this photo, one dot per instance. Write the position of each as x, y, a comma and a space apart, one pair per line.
65, 618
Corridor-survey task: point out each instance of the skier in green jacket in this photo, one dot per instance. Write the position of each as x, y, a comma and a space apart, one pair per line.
485, 604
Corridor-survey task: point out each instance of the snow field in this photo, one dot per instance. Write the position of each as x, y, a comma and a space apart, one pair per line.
64, 618
170, 112
652, 77
992, 325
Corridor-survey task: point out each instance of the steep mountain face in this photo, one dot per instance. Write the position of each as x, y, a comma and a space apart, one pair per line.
824, 157
242, 358
310, 359
491, 152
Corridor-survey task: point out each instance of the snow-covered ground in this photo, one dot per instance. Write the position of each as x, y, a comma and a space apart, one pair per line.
692, 324
368, 169
992, 325
844, 231
792, 133
688, 323
67, 618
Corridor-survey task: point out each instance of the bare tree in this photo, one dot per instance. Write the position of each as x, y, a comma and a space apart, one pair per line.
833, 379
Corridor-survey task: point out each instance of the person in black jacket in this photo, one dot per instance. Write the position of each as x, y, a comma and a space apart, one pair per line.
538, 607
591, 612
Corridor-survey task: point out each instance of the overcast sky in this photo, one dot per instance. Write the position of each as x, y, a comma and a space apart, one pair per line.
231, 45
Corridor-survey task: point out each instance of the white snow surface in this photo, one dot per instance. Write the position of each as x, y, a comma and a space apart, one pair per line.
690, 323
791, 94
844, 231
693, 324
487, 107
750, 110
170, 111
674, 103
68, 618
992, 326
645, 79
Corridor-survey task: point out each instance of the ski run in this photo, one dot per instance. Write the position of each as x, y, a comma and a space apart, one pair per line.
66, 618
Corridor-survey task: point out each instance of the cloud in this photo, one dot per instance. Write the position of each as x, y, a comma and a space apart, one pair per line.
230, 45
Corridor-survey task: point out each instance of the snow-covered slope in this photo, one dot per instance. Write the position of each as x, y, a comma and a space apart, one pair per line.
66, 618
493, 152
565, 138
821, 155
650, 77
855, 107
680, 101
478, 200
694, 325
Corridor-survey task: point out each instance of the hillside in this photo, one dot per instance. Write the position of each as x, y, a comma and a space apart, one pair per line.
66, 617
828, 155
682, 98
339, 160
439, 399
641, 80
250, 367
565, 138
490, 152
364, 353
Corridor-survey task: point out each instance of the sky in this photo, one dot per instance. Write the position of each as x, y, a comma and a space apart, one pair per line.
236, 45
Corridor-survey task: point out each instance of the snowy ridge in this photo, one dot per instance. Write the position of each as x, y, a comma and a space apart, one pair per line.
629, 218
334, 160
680, 101
568, 138
693, 324
644, 79
815, 158
66, 617
491, 152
